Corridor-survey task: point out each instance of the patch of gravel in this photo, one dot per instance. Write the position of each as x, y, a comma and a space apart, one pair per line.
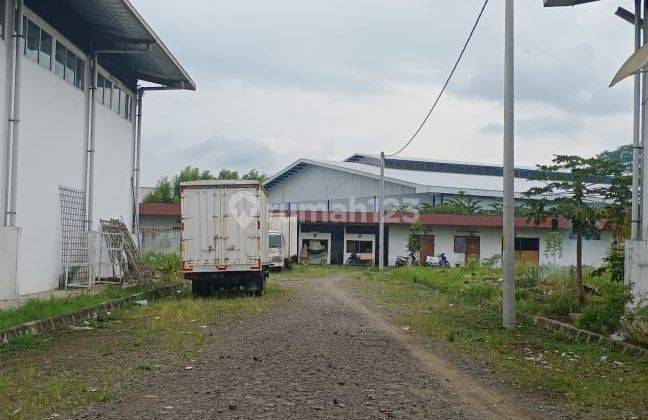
312, 357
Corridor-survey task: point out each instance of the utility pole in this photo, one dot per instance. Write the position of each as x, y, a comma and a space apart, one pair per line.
381, 216
636, 138
508, 216
643, 206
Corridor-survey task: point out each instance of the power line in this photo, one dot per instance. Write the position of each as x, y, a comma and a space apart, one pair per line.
447, 82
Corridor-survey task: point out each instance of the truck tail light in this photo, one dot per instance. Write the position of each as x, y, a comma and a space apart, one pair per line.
256, 265
222, 267
187, 267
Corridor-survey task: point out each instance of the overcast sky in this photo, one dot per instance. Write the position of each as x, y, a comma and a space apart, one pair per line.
286, 79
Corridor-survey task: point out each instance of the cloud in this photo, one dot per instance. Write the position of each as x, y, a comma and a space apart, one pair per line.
324, 79
538, 127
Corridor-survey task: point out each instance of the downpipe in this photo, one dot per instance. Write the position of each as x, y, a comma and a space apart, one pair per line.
13, 129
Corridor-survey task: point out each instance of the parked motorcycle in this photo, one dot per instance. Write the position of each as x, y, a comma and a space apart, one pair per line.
402, 261
439, 261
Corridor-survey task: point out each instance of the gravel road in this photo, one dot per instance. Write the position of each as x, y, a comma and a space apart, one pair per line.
322, 354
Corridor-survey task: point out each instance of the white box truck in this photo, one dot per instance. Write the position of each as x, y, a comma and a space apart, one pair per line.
224, 235
282, 239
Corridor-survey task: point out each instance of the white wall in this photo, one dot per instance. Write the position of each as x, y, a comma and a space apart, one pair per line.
113, 161
320, 184
490, 244
51, 154
4, 114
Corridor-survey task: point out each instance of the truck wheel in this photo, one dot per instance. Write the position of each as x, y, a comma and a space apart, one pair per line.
201, 288
260, 285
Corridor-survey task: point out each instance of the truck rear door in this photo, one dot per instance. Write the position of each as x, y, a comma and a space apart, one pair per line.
241, 227
200, 212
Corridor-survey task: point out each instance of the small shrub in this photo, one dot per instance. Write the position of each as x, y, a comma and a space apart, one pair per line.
560, 304
170, 264
479, 293
600, 317
604, 312
635, 326
492, 261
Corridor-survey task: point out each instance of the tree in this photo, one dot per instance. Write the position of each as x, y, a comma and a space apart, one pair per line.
254, 175
572, 187
168, 191
163, 192
415, 236
553, 246
622, 155
189, 173
616, 215
228, 174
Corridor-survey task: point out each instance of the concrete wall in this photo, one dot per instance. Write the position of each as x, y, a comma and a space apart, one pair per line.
490, 244
636, 270
9, 254
159, 222
53, 125
160, 240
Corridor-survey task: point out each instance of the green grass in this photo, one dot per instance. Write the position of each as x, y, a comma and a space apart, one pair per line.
462, 308
168, 263
168, 331
35, 309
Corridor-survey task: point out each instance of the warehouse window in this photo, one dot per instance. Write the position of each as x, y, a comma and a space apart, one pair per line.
127, 107
122, 104
107, 93
70, 67
2, 18
32, 40
99, 95
45, 53
115, 99
79, 80
59, 60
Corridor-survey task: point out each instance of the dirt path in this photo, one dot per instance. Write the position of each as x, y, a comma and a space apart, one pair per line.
323, 355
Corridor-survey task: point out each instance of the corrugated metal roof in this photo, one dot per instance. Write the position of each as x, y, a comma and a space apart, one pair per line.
115, 24
422, 181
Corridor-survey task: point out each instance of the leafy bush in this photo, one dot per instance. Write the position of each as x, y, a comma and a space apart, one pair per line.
170, 264
604, 312
492, 261
560, 304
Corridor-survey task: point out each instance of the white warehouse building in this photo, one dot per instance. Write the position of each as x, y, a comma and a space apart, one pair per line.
68, 161
335, 204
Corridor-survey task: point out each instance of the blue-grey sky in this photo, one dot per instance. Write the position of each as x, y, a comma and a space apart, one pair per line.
280, 80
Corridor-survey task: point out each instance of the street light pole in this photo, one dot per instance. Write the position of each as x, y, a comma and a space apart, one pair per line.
381, 217
508, 216
636, 138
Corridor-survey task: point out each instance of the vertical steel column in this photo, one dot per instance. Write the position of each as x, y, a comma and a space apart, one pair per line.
508, 260
86, 139
92, 145
11, 83
138, 147
381, 215
643, 234
15, 141
134, 195
636, 135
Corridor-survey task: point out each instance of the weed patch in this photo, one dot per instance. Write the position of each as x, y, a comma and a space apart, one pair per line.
462, 309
